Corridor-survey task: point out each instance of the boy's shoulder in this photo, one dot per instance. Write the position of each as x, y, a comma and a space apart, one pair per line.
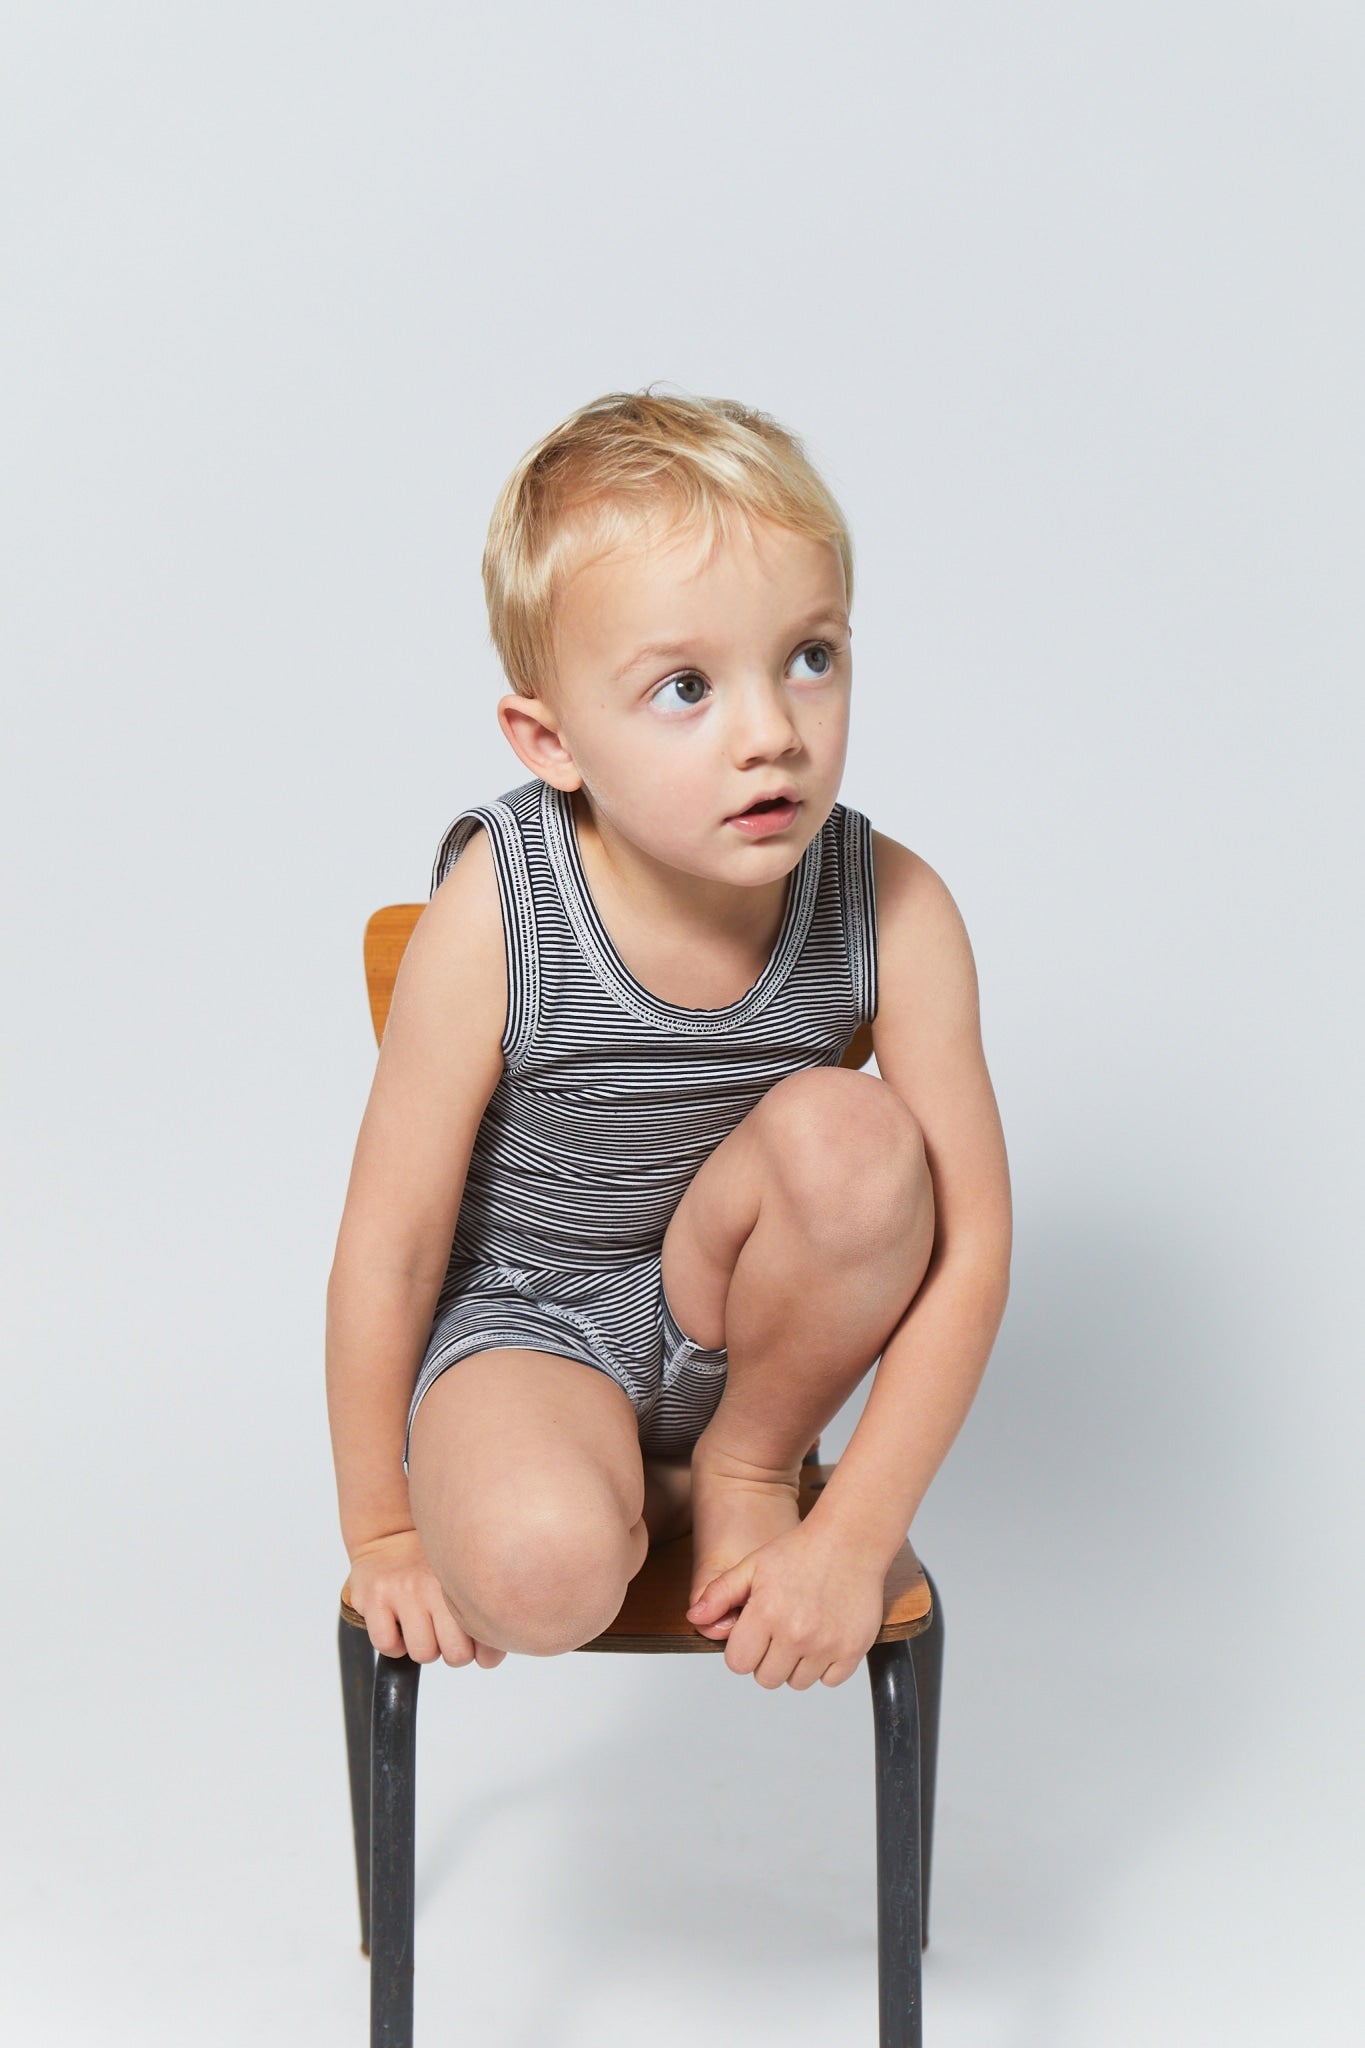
443, 1038
514, 812
925, 970
910, 894
462, 921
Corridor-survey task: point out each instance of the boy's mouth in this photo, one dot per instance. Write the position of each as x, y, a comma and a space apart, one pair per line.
768, 803
770, 814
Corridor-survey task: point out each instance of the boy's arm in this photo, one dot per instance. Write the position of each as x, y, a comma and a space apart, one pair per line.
927, 1040
439, 1062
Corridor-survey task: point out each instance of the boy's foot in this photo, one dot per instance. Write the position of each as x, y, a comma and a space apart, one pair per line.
735, 1509
668, 1499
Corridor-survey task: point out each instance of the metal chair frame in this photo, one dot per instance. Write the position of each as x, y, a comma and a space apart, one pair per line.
380, 1700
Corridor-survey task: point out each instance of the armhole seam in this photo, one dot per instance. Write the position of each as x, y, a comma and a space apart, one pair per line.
499, 820
860, 910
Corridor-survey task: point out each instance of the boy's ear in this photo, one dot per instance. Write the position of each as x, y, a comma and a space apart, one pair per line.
534, 737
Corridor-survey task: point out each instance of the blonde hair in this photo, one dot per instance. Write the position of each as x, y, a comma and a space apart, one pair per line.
604, 476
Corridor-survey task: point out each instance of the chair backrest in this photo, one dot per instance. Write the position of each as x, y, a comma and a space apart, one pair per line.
386, 938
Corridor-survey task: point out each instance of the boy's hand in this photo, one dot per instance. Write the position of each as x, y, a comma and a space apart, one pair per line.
405, 1611
810, 1609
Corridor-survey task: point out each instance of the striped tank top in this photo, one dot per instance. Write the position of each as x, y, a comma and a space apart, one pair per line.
611, 1098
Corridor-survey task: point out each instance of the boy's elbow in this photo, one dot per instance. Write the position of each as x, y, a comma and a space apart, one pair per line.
1002, 1252
1002, 1289
990, 1268
383, 1270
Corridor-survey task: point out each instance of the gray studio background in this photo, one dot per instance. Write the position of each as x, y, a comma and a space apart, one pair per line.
1066, 302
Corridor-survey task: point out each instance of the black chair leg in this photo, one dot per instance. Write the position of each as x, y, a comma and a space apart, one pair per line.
900, 1916
927, 1652
357, 1695
393, 1755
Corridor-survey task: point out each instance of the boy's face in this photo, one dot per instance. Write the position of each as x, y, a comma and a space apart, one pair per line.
747, 693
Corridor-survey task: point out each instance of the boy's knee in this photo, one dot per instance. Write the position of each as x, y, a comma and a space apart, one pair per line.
850, 1153
541, 1581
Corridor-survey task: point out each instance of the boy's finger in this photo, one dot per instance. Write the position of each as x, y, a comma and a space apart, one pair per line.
384, 1632
719, 1595
457, 1646
716, 1631
419, 1636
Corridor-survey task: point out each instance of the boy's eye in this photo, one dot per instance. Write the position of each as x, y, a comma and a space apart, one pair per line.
822, 648
689, 681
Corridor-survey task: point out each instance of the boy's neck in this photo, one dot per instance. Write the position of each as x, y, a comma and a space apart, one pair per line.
654, 897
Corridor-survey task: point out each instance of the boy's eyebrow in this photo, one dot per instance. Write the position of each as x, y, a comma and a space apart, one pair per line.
668, 650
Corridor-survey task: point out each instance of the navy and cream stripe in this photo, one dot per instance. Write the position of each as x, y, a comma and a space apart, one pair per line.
611, 1098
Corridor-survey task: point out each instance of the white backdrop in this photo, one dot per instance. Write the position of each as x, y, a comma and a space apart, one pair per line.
1067, 304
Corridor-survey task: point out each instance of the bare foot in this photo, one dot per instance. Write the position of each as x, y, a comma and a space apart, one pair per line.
735, 1509
668, 1499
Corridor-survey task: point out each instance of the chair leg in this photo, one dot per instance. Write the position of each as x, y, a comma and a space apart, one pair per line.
927, 1653
357, 1694
392, 1850
895, 1715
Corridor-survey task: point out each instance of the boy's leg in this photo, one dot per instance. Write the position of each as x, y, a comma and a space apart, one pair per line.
799, 1245
668, 1497
668, 1493
527, 1490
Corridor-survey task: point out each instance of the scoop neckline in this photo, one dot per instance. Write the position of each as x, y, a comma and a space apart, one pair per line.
561, 834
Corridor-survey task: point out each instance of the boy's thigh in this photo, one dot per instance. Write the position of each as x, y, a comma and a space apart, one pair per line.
509, 1447
707, 1230
795, 1136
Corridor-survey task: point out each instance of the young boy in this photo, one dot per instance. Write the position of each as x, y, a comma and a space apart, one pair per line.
622, 1235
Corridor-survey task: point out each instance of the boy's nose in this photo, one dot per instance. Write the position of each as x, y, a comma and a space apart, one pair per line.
763, 725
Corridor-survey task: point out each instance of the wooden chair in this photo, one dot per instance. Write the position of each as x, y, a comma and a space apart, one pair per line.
905, 1666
